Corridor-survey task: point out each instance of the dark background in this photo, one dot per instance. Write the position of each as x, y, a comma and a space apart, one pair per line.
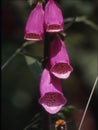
20, 85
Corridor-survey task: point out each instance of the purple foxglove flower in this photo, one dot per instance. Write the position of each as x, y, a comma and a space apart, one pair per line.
59, 59
52, 98
35, 24
53, 17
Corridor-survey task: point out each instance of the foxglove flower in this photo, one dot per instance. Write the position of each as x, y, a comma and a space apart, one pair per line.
53, 17
59, 59
35, 24
52, 98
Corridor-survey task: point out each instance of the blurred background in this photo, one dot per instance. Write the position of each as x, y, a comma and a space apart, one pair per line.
20, 78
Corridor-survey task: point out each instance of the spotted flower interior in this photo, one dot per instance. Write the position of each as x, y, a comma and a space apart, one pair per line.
54, 28
62, 70
34, 36
52, 102
52, 99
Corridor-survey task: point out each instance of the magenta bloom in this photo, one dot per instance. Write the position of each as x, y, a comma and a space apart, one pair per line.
52, 98
59, 59
35, 24
53, 17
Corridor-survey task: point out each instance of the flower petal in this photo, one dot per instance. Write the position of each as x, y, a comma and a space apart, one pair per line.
59, 59
52, 98
53, 17
34, 29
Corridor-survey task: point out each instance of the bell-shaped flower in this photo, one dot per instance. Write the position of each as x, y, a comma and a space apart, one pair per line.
52, 98
59, 59
34, 29
54, 21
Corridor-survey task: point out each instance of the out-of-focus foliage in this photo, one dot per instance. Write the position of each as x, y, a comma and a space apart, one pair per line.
20, 78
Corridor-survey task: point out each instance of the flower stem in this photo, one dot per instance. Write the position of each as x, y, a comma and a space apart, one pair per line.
45, 115
45, 120
46, 50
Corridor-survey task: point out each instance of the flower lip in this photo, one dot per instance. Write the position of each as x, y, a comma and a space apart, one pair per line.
61, 70
54, 28
32, 36
52, 101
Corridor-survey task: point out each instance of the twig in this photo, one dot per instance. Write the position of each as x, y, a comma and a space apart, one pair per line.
11, 58
87, 22
15, 54
86, 108
81, 19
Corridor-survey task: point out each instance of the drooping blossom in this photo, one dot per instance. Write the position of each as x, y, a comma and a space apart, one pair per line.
59, 59
52, 98
34, 29
53, 17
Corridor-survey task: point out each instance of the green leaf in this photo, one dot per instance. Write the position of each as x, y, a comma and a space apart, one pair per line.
34, 65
